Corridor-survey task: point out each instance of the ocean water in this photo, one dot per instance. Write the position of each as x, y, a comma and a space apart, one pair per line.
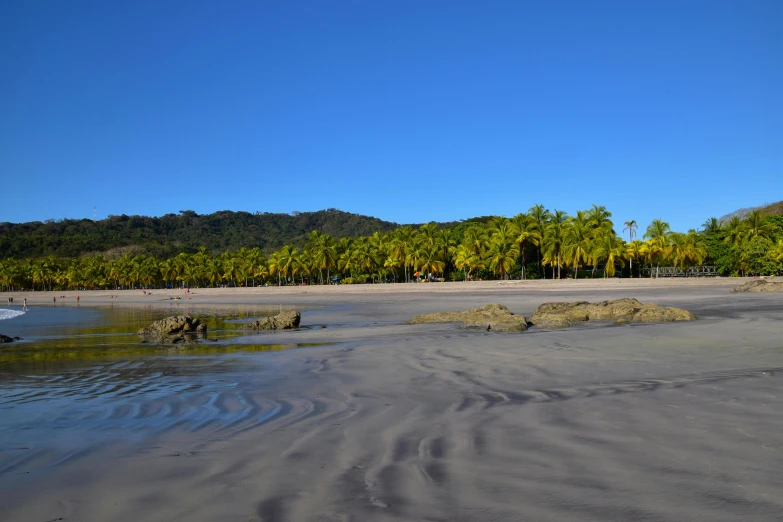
81, 378
7, 313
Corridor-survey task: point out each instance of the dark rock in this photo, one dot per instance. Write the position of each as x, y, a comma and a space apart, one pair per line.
6, 339
285, 320
621, 311
177, 328
493, 317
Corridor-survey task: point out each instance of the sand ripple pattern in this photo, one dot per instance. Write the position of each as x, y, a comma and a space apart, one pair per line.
656, 423
49, 419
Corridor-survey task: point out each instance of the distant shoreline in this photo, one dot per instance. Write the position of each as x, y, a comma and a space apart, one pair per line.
242, 295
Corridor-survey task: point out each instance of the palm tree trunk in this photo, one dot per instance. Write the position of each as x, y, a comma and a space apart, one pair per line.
523, 264
538, 261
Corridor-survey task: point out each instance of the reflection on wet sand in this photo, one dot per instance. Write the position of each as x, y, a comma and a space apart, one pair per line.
91, 381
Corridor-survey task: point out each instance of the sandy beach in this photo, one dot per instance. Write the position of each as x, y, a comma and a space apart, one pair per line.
372, 419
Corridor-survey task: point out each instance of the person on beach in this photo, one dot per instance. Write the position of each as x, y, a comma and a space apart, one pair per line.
24, 304
54, 300
77, 298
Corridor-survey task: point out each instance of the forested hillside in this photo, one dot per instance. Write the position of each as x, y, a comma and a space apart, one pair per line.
171, 234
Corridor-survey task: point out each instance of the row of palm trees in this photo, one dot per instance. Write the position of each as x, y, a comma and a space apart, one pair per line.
537, 243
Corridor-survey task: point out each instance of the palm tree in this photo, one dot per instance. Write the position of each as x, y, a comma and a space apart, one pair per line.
41, 273
598, 217
649, 250
213, 271
680, 253
777, 251
503, 253
429, 233
711, 225
461, 257
366, 255
446, 243
255, 264
232, 269
527, 233
554, 238
403, 246
430, 259
323, 251
392, 264
659, 233
631, 227
539, 216
735, 231
168, 271
397, 251
276, 264
287, 260
633, 250
476, 240
577, 247
610, 249
756, 226
697, 249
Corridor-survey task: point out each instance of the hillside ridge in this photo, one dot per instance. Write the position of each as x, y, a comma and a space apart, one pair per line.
186, 231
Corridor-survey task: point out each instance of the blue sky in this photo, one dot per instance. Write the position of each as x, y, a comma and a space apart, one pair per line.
409, 111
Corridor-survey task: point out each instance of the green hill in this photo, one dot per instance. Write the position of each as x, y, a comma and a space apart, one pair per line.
174, 233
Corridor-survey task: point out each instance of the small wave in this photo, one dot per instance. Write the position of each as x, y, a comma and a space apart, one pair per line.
5, 313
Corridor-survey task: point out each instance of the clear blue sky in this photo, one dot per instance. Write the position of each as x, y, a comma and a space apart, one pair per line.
406, 110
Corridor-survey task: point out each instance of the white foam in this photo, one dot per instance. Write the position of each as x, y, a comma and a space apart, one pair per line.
5, 313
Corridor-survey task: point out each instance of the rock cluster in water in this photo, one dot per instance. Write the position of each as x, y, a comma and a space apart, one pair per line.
559, 315
6, 339
174, 329
760, 285
285, 320
494, 317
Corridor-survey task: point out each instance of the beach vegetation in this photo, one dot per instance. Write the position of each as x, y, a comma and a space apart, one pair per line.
535, 244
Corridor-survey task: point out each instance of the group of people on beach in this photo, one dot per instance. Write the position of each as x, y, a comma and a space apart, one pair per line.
24, 301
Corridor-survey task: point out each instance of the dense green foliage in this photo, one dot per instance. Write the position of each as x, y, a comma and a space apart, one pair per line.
752, 245
535, 244
171, 234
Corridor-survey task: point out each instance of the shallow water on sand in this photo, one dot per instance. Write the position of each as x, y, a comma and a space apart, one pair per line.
81, 377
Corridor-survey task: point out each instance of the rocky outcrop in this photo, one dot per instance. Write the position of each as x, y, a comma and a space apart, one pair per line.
559, 315
760, 285
285, 320
174, 329
493, 317
6, 339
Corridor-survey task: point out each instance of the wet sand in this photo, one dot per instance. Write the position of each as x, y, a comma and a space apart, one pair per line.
663, 422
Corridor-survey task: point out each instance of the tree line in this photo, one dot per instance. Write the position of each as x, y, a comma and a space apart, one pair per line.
536, 244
